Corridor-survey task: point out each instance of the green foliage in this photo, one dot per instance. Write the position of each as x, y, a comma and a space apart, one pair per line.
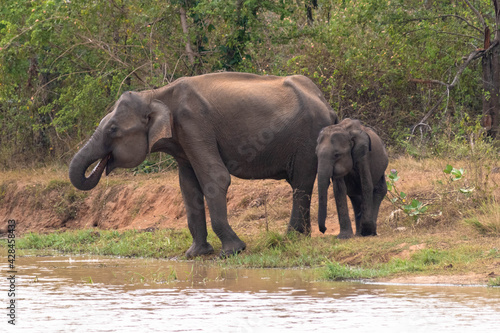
398, 198
332, 259
146, 167
487, 219
156, 164
494, 282
132, 243
445, 193
64, 63
419, 262
415, 208
455, 174
338, 272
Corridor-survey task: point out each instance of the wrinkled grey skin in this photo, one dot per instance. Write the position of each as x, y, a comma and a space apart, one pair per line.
216, 125
354, 158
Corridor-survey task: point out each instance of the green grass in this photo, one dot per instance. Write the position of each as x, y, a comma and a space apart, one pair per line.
131, 243
486, 220
335, 271
494, 282
333, 259
274, 250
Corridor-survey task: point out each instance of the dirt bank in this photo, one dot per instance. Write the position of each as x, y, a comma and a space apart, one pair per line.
44, 201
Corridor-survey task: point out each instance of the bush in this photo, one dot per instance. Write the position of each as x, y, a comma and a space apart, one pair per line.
63, 64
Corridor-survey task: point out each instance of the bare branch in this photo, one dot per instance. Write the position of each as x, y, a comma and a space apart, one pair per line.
472, 56
446, 33
481, 52
429, 82
445, 16
462, 67
434, 108
126, 77
66, 51
422, 125
25, 30
39, 89
104, 47
478, 14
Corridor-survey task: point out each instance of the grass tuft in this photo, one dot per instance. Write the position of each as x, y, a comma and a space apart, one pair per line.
130, 243
494, 282
337, 272
333, 259
487, 220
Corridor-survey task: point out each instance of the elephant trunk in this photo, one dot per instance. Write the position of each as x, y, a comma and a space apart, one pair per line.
89, 154
325, 171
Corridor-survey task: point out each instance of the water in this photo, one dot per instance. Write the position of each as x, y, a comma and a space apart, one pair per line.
102, 294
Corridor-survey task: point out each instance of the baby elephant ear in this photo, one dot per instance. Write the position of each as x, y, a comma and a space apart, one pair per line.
362, 144
160, 123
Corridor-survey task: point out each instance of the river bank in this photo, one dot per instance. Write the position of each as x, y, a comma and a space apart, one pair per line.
142, 215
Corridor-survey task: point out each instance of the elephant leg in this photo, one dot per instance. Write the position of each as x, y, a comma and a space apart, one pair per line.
195, 211
367, 223
340, 192
300, 219
379, 193
356, 202
215, 179
215, 191
302, 184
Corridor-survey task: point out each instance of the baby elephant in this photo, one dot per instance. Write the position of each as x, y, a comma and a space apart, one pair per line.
354, 157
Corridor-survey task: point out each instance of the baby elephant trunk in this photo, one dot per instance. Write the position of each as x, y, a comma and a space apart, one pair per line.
324, 174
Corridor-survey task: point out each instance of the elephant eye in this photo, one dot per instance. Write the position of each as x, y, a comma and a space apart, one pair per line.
113, 129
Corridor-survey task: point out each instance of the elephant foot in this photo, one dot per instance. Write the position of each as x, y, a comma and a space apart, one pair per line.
345, 235
368, 230
300, 229
232, 248
198, 250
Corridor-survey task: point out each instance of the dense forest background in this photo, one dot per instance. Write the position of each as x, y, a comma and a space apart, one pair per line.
411, 69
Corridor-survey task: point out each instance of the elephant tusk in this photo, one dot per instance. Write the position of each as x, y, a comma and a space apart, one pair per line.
99, 168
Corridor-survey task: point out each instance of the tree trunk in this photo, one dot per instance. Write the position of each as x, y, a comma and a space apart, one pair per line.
491, 81
310, 5
491, 86
185, 30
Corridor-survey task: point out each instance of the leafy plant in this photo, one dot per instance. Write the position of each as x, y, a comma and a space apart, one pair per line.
415, 208
455, 174
64, 63
399, 199
146, 167
155, 164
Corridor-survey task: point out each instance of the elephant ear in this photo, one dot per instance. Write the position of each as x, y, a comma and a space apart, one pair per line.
362, 144
160, 123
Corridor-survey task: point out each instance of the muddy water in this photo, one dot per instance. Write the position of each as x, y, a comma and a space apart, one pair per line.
102, 294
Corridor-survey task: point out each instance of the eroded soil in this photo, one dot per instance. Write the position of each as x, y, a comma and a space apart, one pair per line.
44, 201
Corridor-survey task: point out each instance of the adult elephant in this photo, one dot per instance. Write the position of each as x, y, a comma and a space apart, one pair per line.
215, 125
354, 158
